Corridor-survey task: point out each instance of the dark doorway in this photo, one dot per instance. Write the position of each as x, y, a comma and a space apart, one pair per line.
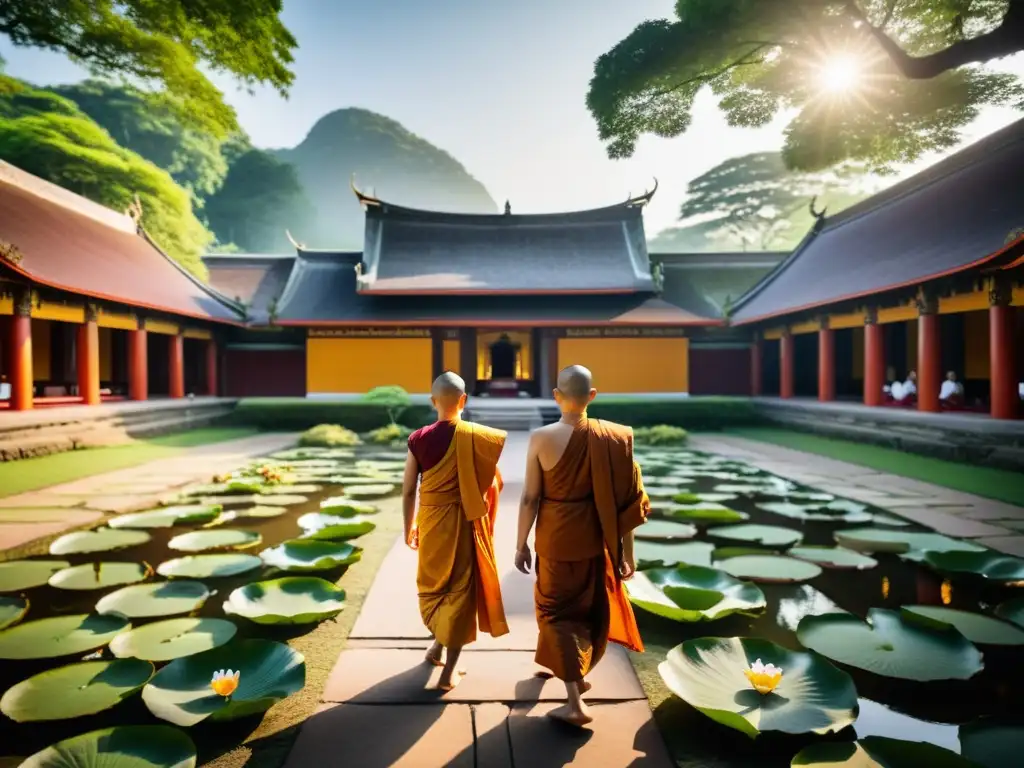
158, 364
805, 365
770, 368
503, 358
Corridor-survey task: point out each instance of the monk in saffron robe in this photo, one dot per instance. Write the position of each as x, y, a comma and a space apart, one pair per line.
456, 464
586, 494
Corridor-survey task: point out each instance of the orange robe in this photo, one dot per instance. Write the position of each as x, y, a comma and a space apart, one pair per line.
457, 577
592, 497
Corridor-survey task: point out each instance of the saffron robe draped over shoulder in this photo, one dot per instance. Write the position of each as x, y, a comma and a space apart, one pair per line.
457, 576
592, 497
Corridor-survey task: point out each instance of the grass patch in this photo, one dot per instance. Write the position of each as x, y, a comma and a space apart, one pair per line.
32, 474
987, 482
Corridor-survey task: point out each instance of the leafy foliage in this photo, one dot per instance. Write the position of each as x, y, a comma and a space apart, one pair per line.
328, 436
394, 398
661, 434
49, 136
762, 56
392, 433
164, 44
261, 198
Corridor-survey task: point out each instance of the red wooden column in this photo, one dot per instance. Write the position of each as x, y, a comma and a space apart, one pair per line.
176, 366
874, 359
19, 341
786, 363
211, 367
929, 355
755, 366
138, 365
87, 356
826, 363
1002, 355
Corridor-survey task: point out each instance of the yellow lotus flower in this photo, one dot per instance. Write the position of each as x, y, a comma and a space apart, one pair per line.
224, 683
763, 677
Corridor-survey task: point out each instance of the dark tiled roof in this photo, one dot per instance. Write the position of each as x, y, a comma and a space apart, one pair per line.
322, 289
946, 219
712, 281
75, 245
410, 251
256, 280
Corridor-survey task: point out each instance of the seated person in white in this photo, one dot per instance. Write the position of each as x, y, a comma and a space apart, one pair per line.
951, 388
906, 389
890, 379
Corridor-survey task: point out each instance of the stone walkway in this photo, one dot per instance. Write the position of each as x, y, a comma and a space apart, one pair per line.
32, 515
991, 523
381, 689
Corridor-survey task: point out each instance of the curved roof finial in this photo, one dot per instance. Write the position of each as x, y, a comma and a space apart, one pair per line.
363, 198
296, 244
645, 198
818, 215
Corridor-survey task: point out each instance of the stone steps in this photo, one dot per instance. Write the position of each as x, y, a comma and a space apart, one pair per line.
511, 416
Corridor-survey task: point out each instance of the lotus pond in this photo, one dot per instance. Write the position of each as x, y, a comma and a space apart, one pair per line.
897, 646
165, 633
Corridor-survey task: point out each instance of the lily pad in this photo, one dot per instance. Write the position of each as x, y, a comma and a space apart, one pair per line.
128, 746
172, 639
75, 690
770, 569
665, 530
816, 512
660, 554
165, 598
311, 555
347, 507
879, 752
1012, 610
16, 575
208, 566
833, 557
100, 575
12, 610
693, 593
750, 489
224, 538
686, 498
993, 742
291, 600
707, 512
764, 535
60, 636
870, 540
180, 693
882, 518
168, 517
372, 491
664, 491
301, 488
987, 564
813, 696
318, 525
258, 512
714, 498
282, 499
976, 627
99, 540
890, 647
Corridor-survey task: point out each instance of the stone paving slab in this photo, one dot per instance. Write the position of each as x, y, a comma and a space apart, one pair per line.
493, 740
395, 676
949, 524
398, 736
1012, 544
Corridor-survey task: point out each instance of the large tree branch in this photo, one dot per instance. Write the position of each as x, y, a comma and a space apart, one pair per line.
1004, 40
706, 77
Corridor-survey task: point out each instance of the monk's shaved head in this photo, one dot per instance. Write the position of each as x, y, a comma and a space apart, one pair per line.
448, 385
576, 382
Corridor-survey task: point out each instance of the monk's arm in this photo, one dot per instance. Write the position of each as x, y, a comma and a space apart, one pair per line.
529, 503
409, 479
634, 512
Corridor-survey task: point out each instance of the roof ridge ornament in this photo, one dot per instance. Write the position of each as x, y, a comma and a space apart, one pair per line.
363, 198
642, 200
295, 243
818, 215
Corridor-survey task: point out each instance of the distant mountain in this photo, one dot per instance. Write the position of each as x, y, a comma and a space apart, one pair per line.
386, 159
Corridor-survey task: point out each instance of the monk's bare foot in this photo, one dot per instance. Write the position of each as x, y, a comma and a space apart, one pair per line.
569, 714
448, 682
434, 655
543, 674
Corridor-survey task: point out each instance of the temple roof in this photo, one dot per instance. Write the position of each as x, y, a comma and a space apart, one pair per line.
255, 280
954, 216
73, 244
322, 290
410, 251
712, 282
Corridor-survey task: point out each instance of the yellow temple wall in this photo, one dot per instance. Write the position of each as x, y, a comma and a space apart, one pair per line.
629, 365
976, 353
41, 349
357, 365
106, 354
450, 355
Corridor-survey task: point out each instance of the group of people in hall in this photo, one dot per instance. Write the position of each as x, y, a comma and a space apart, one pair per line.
584, 493
951, 391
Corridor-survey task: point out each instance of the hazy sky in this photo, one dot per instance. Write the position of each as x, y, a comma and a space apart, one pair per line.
501, 86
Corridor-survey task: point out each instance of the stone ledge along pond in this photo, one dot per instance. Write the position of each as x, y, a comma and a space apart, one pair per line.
241, 520
734, 562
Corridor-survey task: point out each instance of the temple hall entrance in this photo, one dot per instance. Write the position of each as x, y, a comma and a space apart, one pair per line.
505, 365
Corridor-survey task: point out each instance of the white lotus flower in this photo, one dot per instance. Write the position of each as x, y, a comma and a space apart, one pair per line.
225, 682
763, 677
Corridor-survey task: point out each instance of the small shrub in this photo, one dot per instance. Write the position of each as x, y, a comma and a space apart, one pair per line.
392, 433
662, 434
329, 436
394, 399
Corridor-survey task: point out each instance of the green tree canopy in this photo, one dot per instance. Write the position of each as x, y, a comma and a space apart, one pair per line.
49, 136
193, 158
163, 44
880, 81
261, 198
754, 202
